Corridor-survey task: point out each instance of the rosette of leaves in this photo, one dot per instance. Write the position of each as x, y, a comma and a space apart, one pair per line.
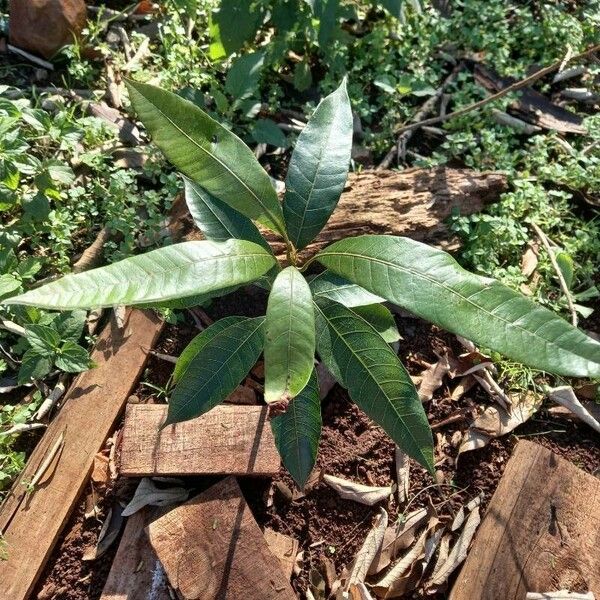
336, 315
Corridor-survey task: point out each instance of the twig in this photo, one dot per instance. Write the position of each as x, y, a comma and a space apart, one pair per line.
47, 462
165, 357
40, 62
54, 396
92, 256
563, 284
400, 146
503, 92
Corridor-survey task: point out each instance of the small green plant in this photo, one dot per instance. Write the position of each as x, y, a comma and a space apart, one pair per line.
336, 314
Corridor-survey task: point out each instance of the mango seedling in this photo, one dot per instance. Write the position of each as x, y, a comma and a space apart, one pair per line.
336, 314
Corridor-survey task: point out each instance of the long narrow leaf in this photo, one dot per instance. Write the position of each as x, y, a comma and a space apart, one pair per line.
217, 220
177, 271
375, 378
298, 430
198, 343
289, 336
431, 284
207, 153
216, 370
318, 168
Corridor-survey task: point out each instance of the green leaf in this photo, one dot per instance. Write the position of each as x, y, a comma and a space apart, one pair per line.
381, 319
336, 288
431, 284
70, 325
265, 131
237, 23
216, 370
196, 345
42, 339
318, 168
218, 221
207, 153
376, 380
33, 366
566, 266
244, 75
72, 358
176, 271
302, 76
289, 336
8, 284
297, 432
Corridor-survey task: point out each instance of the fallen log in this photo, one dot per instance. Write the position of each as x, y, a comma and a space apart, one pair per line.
31, 520
415, 203
212, 549
541, 531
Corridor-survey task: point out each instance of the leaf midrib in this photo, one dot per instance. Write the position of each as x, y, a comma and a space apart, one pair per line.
214, 157
454, 292
408, 429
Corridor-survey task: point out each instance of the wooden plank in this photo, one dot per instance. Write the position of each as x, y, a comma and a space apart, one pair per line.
284, 547
229, 439
31, 523
136, 572
541, 531
212, 548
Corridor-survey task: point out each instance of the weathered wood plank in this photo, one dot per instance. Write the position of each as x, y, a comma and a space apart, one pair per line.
541, 531
31, 523
284, 548
229, 439
136, 572
212, 548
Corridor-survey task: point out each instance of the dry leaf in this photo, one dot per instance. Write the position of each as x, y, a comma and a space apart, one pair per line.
402, 474
358, 492
529, 260
565, 396
298, 563
100, 469
489, 384
433, 377
398, 538
459, 550
317, 584
466, 509
326, 380
108, 534
496, 422
405, 575
464, 385
560, 595
442, 554
359, 591
369, 549
148, 494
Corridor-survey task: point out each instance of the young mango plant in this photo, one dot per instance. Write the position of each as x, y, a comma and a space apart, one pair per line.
335, 314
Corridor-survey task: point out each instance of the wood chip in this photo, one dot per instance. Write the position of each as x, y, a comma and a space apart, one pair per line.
358, 492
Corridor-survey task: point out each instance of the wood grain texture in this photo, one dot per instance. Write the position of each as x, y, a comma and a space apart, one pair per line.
414, 203
541, 531
136, 572
212, 549
31, 523
229, 439
284, 547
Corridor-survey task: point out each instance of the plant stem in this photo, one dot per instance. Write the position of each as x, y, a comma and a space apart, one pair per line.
563, 284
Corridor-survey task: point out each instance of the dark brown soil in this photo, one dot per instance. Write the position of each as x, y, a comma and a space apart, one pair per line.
351, 447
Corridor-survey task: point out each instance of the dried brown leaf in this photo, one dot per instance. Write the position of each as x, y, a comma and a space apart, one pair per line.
358, 492
560, 595
565, 396
433, 377
148, 494
402, 474
369, 549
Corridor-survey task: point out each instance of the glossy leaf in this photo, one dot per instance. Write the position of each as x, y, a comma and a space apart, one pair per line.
431, 284
375, 378
297, 432
381, 319
217, 220
198, 343
243, 76
177, 271
336, 288
216, 369
207, 153
318, 168
289, 336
